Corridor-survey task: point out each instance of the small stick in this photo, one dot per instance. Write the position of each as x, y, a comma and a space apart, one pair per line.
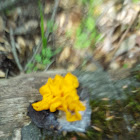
53, 16
49, 65
39, 46
34, 54
14, 51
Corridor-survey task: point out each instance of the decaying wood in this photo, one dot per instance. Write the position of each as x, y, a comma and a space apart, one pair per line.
15, 96
17, 93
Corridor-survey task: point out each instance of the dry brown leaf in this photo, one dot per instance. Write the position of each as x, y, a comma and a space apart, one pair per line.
75, 57
114, 66
48, 7
109, 118
32, 24
68, 22
125, 86
71, 67
97, 128
64, 55
116, 34
119, 45
107, 106
73, 138
51, 126
137, 115
7, 46
64, 133
81, 134
2, 40
37, 39
134, 91
90, 67
95, 109
21, 41
105, 99
135, 126
136, 7
107, 114
10, 56
138, 40
1, 25
11, 24
2, 49
22, 45
2, 74
97, 10
66, 4
30, 45
127, 14
109, 136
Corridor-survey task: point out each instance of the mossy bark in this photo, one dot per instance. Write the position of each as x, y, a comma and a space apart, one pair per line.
17, 93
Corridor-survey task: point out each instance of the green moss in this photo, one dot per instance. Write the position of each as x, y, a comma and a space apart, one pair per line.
104, 128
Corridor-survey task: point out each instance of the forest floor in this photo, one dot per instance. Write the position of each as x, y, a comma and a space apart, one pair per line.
34, 37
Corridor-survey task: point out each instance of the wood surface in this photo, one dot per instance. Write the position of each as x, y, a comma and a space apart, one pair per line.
15, 96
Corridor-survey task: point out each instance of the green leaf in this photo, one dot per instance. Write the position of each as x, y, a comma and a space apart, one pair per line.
87, 44
50, 26
79, 31
30, 65
35, 69
84, 1
125, 66
78, 44
49, 53
29, 71
38, 58
90, 23
46, 61
55, 27
68, 33
82, 37
44, 40
44, 52
98, 36
135, 1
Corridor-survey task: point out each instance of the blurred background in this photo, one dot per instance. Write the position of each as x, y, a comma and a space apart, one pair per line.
48, 34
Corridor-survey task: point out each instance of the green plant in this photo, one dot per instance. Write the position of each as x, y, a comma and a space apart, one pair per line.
44, 40
135, 1
87, 33
44, 58
125, 66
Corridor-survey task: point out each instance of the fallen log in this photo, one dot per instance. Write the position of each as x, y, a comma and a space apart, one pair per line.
17, 93
15, 96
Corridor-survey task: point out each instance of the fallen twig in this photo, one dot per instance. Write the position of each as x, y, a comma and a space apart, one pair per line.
14, 51
53, 16
34, 54
52, 19
49, 65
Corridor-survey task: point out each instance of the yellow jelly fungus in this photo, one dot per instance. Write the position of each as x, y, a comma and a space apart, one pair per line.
60, 94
